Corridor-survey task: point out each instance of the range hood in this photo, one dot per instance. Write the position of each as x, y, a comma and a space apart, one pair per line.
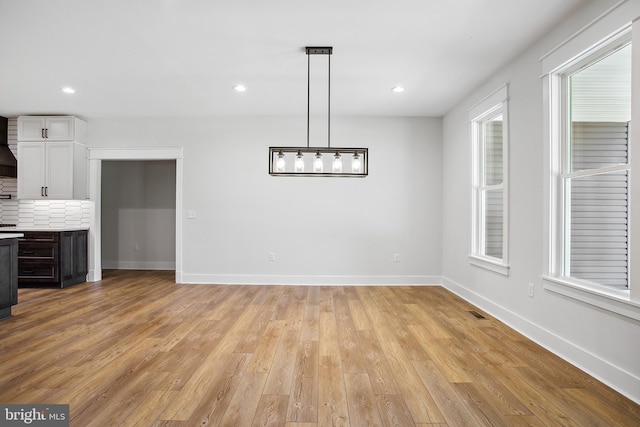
8, 163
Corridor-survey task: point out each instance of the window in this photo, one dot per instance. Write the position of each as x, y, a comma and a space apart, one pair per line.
593, 184
489, 247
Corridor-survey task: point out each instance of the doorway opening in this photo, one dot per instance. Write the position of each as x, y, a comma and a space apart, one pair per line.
119, 157
138, 214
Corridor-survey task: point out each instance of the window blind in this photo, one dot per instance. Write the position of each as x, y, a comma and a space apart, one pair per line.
599, 204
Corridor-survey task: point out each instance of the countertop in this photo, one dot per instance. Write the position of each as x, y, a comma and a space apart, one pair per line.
11, 235
20, 229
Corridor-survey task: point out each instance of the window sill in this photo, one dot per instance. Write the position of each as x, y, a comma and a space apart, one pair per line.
618, 302
489, 264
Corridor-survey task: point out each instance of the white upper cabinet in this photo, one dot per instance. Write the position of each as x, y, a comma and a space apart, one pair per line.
52, 164
51, 128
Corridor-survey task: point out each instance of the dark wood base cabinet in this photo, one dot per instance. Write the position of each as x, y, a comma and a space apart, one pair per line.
8, 276
52, 258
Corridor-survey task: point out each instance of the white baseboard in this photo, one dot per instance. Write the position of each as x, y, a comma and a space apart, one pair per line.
92, 276
138, 265
620, 380
231, 279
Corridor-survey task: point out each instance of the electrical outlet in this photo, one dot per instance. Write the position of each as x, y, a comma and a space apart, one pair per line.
191, 215
532, 288
272, 256
396, 257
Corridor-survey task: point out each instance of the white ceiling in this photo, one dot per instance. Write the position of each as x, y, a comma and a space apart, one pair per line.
130, 58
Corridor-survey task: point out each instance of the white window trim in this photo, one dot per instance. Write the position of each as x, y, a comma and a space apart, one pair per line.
608, 299
488, 263
610, 26
494, 103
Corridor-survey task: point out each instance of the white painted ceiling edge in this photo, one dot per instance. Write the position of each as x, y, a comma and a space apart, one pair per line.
181, 58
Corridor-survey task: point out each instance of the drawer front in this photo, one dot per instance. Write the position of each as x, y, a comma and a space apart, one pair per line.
39, 251
40, 272
40, 236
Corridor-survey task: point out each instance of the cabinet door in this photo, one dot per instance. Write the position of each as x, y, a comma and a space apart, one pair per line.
60, 128
73, 256
59, 170
8, 273
31, 128
80, 257
31, 170
66, 255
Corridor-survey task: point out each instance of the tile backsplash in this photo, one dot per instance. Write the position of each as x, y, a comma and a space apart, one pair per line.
42, 213
39, 213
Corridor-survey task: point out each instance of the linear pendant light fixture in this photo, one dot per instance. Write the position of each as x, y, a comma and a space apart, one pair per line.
319, 161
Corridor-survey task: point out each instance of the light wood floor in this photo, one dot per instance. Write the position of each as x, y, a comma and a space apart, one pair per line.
138, 350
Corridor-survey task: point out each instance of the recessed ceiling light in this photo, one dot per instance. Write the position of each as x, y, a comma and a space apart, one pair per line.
240, 88
397, 89
68, 90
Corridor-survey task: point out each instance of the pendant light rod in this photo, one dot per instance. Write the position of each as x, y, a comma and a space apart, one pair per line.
319, 50
308, 92
329, 106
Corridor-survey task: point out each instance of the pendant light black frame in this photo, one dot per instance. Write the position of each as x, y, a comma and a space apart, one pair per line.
282, 160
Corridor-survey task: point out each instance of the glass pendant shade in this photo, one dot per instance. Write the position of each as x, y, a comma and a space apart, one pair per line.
356, 163
337, 163
280, 163
299, 164
318, 163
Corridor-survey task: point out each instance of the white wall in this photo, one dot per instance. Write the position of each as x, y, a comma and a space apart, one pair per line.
604, 344
322, 230
139, 214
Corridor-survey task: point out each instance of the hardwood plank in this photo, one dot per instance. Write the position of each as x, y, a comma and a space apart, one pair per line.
149, 408
363, 410
265, 351
252, 335
455, 411
482, 410
329, 344
139, 350
326, 299
602, 407
310, 324
439, 350
204, 400
282, 368
121, 403
244, 404
535, 398
393, 410
380, 373
377, 319
332, 395
358, 315
271, 411
303, 398
352, 360
419, 401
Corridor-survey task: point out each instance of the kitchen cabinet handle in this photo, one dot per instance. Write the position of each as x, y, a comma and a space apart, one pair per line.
42, 191
27, 271
46, 191
43, 137
28, 252
46, 133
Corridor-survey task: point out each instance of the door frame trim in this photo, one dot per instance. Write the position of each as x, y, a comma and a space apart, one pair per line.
96, 156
